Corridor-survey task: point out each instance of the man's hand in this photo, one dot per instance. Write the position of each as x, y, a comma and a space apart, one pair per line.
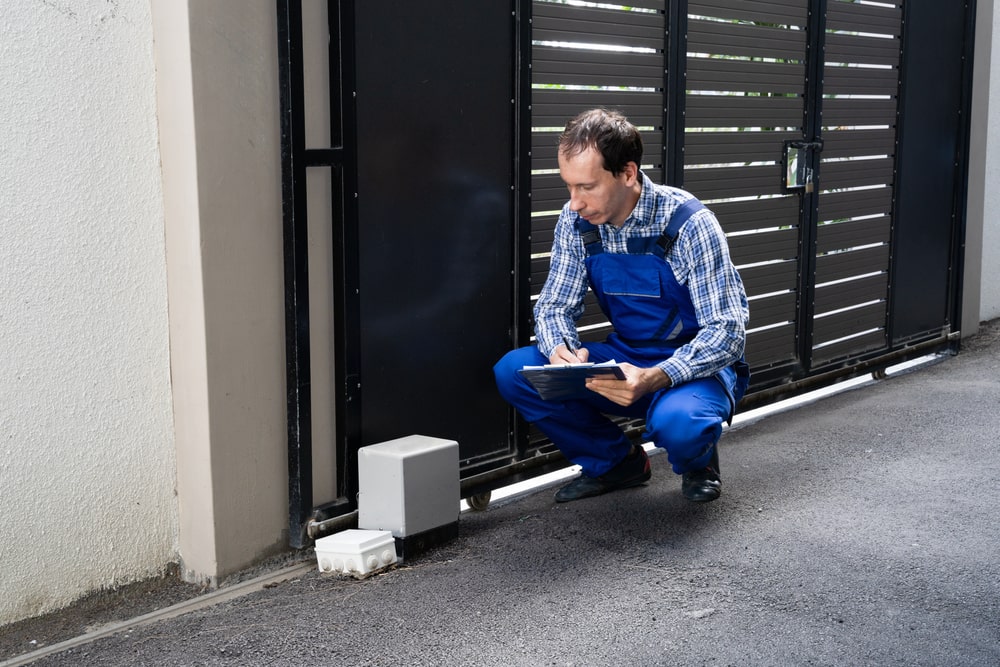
562, 355
637, 383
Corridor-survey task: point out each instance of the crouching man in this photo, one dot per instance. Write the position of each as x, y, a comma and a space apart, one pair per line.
659, 264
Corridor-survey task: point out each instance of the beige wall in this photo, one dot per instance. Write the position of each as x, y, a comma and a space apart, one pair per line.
976, 212
219, 131
988, 87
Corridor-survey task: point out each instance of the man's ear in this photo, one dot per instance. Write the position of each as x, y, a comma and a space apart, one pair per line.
631, 173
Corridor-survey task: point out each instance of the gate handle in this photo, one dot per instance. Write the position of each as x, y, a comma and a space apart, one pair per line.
797, 165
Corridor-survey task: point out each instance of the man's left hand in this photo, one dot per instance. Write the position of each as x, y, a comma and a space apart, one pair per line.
637, 383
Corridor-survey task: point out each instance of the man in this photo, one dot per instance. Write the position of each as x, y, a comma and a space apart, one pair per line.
677, 305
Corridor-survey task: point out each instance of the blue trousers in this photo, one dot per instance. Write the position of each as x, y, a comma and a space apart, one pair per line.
685, 420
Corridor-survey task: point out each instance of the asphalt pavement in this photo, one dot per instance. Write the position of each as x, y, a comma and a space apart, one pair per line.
860, 529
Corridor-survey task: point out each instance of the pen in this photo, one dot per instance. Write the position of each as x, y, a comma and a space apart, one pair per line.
569, 345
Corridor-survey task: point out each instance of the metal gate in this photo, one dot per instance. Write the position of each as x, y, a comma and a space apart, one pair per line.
806, 129
828, 139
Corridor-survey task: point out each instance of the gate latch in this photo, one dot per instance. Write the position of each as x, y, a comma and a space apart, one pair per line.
797, 165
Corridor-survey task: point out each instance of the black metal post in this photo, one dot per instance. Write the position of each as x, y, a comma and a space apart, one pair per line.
674, 92
300, 489
521, 327
812, 130
347, 300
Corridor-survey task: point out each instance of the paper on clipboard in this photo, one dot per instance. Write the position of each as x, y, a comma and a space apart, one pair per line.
559, 382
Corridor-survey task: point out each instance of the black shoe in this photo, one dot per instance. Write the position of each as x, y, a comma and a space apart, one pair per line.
632, 471
705, 485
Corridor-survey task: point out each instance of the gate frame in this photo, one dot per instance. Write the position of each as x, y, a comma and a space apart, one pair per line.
307, 521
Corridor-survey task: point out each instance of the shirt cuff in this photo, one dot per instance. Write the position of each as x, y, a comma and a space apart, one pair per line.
676, 371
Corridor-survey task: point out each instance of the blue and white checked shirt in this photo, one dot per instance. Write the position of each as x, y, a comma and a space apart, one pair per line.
699, 259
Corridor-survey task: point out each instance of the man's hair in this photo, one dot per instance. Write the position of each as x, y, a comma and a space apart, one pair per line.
616, 139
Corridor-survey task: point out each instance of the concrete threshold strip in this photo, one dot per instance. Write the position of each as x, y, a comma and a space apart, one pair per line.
202, 601
506, 494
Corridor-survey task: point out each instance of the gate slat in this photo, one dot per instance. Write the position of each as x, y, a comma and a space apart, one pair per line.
742, 216
842, 295
843, 205
768, 278
782, 12
851, 263
858, 49
563, 66
848, 16
595, 25
719, 183
732, 111
552, 108
716, 74
773, 310
853, 234
728, 147
771, 346
750, 41
854, 112
764, 247
856, 81
856, 173
868, 342
854, 321
854, 143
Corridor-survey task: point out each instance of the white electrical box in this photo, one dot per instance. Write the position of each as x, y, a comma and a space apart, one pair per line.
409, 486
359, 553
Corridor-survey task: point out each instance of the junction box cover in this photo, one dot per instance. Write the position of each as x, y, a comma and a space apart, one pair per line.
410, 487
359, 553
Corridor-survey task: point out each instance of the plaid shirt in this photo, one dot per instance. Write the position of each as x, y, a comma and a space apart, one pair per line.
699, 259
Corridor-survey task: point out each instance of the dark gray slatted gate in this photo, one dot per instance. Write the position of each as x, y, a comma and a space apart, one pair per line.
741, 81
441, 232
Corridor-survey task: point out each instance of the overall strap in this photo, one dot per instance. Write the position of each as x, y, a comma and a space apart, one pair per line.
591, 237
677, 218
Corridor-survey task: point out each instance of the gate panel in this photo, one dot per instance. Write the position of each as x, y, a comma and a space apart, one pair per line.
435, 220
932, 162
746, 73
857, 173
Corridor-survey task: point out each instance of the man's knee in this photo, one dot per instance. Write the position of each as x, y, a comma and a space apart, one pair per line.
681, 430
686, 425
505, 370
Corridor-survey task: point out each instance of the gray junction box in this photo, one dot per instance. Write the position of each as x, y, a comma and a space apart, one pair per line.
411, 487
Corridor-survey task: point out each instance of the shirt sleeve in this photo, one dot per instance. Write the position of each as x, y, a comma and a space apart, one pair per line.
700, 258
560, 303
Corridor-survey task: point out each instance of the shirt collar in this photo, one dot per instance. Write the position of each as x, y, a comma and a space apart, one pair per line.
642, 215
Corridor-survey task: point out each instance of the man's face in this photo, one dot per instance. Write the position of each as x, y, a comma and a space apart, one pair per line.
594, 193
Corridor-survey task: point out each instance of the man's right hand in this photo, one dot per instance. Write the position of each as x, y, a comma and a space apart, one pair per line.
562, 355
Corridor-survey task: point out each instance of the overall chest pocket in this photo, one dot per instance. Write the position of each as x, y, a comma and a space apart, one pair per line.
638, 279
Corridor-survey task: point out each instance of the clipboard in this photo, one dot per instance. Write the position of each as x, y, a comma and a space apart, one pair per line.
560, 382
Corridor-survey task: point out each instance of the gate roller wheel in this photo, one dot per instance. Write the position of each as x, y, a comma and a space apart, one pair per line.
479, 502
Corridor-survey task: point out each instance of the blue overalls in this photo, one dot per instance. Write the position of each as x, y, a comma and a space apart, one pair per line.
653, 316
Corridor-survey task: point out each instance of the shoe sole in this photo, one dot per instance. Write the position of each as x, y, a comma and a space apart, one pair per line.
617, 487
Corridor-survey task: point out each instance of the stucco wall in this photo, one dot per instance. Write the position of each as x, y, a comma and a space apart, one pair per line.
86, 440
